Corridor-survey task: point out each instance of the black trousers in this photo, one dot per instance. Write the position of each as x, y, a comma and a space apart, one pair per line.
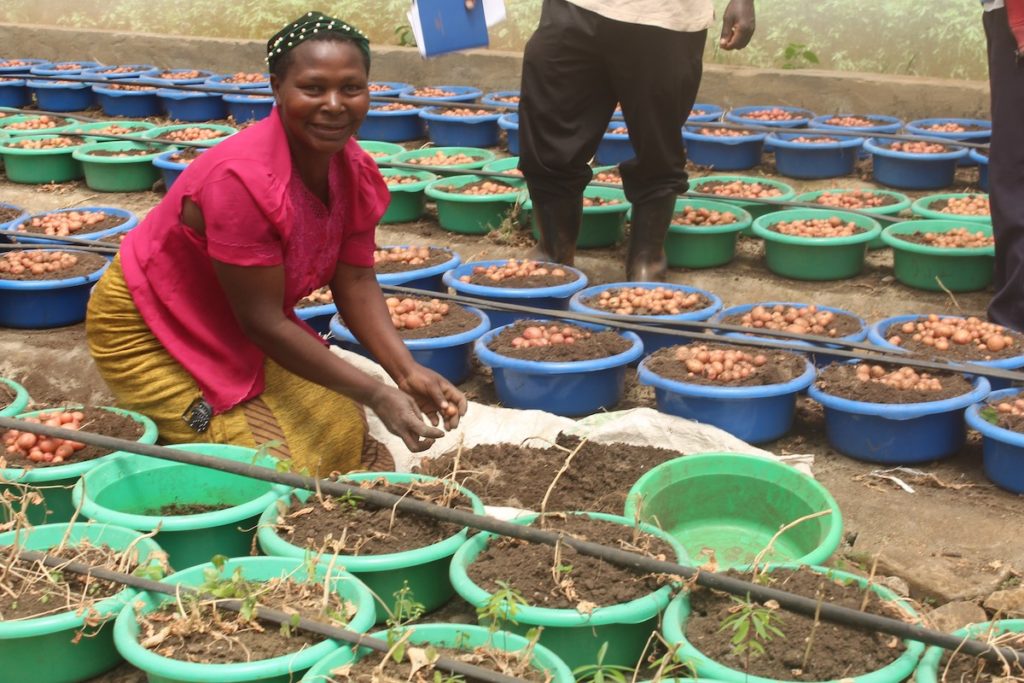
1006, 170
576, 66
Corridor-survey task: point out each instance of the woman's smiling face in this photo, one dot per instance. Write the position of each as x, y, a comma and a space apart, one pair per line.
323, 95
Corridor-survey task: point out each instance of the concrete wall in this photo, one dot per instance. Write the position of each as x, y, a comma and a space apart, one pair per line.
821, 91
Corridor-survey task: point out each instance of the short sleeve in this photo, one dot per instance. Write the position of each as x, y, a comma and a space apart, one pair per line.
368, 200
242, 211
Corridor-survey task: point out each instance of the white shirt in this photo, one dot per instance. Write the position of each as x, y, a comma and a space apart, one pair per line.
677, 15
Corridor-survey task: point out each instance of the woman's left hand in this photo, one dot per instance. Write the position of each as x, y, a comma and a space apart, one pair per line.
437, 397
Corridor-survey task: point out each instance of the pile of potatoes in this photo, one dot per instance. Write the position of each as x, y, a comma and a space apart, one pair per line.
803, 320
36, 262
463, 112
971, 205
48, 143
773, 114
957, 238
942, 333
721, 365
850, 121
63, 223
412, 314
243, 77
817, 227
901, 379
855, 199
439, 158
552, 335
395, 106
703, 217
513, 268
38, 123
431, 92
646, 301
814, 140
480, 188
193, 134
413, 256
42, 448
740, 189
1011, 406
918, 147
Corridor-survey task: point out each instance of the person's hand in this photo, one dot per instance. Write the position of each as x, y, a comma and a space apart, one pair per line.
441, 402
403, 418
470, 4
737, 25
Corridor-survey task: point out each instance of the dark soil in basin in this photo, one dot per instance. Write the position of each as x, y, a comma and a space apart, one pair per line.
110, 221
88, 263
124, 152
186, 156
781, 367
6, 396
840, 379
526, 282
63, 591
8, 214
349, 526
918, 238
217, 636
175, 509
366, 669
437, 257
836, 652
598, 477
711, 186
957, 352
597, 345
561, 578
774, 228
844, 325
97, 421
973, 670
495, 187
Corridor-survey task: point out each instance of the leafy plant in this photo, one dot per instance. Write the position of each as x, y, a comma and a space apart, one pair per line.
503, 606
798, 56
989, 414
599, 672
753, 626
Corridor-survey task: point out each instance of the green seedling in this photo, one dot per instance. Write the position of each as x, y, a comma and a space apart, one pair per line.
753, 626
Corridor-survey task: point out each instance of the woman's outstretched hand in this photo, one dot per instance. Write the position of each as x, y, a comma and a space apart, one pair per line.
421, 393
441, 402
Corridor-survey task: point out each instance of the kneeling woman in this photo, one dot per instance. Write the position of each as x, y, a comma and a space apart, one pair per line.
193, 323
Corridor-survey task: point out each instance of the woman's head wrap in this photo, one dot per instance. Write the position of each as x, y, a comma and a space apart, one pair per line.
309, 25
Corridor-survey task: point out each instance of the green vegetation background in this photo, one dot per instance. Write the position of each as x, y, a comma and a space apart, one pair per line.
941, 38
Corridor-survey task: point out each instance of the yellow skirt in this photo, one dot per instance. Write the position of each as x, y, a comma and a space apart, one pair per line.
318, 429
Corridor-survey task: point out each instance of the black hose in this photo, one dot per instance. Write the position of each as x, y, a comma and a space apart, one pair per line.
796, 603
276, 616
685, 329
112, 249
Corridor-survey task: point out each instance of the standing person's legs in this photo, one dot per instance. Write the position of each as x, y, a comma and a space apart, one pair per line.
1006, 171
656, 73
566, 104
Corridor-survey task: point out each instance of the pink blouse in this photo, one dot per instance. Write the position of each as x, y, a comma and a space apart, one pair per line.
257, 212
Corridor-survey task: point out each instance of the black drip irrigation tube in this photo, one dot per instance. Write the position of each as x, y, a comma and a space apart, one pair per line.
685, 329
789, 601
276, 616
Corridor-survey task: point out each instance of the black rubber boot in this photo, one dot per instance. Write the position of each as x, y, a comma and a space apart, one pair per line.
559, 225
645, 259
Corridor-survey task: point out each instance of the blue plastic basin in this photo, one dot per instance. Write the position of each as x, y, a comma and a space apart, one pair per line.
460, 131
615, 147
400, 125
738, 115
1002, 449
876, 335
567, 388
913, 171
510, 124
42, 304
170, 170
897, 434
982, 161
811, 160
819, 359
460, 93
17, 219
137, 71
14, 93
50, 68
390, 88
133, 104
247, 107
176, 78
218, 82
450, 357
497, 98
190, 106
556, 297
652, 340
54, 96
880, 123
131, 220
754, 414
429, 278
705, 113
29, 63
724, 152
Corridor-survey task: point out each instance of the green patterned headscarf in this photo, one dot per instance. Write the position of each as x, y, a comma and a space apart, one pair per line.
309, 25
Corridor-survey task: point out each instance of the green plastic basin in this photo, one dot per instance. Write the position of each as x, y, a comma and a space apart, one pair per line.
573, 636
14, 133
380, 151
506, 165
118, 174
450, 636
425, 569
283, 669
674, 630
923, 266
126, 489
164, 130
41, 649
815, 258
734, 504
409, 200
471, 214
20, 398
928, 670
901, 203
138, 128
920, 208
480, 155
39, 166
55, 483
691, 246
602, 226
